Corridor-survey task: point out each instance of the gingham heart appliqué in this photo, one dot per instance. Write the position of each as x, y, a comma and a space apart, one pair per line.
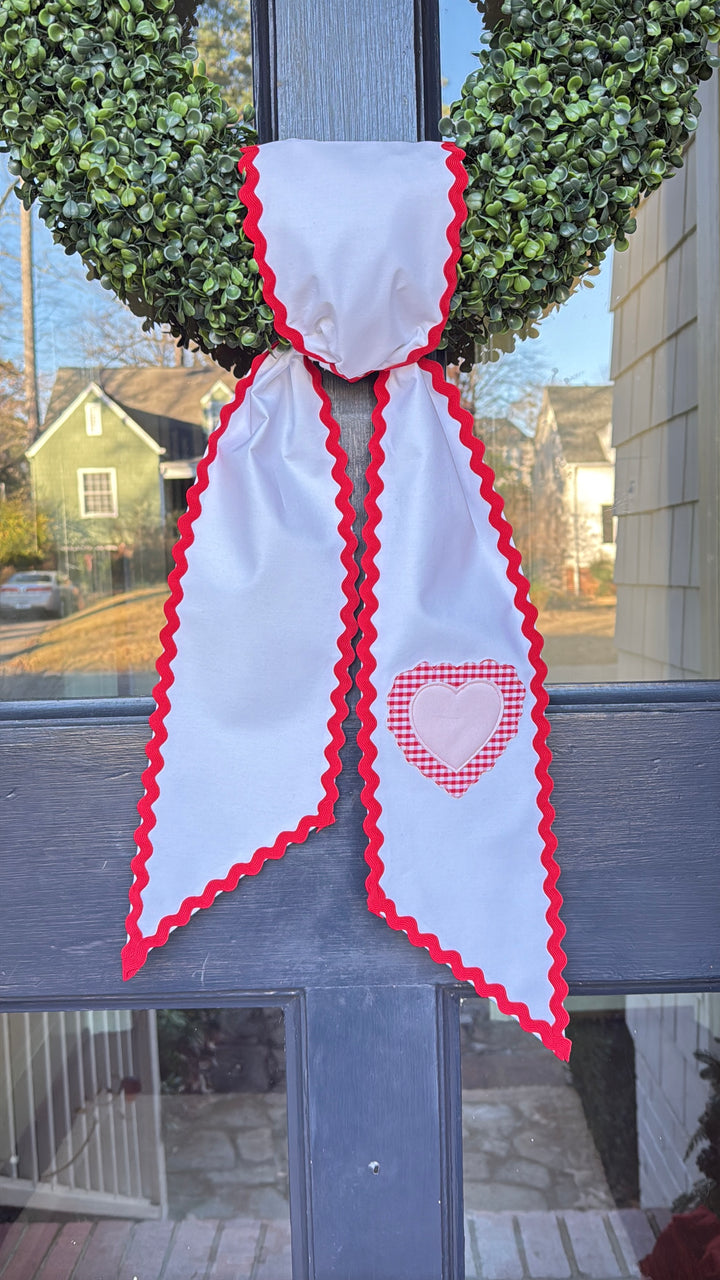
452, 723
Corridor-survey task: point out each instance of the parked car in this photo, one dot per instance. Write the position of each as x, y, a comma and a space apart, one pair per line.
38, 591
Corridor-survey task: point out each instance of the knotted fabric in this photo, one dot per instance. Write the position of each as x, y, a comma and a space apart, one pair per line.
357, 245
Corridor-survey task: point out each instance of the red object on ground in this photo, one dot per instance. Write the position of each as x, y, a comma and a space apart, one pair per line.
688, 1249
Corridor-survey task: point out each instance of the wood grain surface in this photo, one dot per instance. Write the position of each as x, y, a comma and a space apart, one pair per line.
638, 812
346, 71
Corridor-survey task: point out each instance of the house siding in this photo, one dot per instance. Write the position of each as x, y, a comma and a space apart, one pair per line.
670, 1095
655, 368
55, 478
655, 424
569, 498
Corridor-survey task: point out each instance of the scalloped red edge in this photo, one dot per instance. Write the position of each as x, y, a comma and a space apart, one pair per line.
550, 1033
251, 225
136, 949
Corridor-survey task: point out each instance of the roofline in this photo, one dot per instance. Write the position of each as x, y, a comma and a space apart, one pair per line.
95, 389
605, 463
219, 382
579, 386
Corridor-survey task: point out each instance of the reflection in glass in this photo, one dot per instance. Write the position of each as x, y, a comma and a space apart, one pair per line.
101, 428
130, 1141
595, 427
590, 1169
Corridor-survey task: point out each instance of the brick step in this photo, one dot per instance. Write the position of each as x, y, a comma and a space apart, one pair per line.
498, 1246
599, 1245
196, 1249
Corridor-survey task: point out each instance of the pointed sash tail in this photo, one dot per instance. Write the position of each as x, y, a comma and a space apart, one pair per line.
454, 734
245, 748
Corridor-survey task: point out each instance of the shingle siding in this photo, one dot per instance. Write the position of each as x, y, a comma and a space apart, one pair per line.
654, 366
667, 1030
658, 624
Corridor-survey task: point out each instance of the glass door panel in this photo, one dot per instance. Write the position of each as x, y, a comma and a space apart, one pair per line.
144, 1144
592, 1168
595, 425
95, 469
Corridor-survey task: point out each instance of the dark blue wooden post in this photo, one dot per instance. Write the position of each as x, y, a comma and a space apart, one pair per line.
381, 1138
376, 1132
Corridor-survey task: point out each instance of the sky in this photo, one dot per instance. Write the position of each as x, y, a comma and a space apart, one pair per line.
574, 343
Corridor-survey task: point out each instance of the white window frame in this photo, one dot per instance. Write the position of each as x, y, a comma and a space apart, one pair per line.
93, 418
211, 413
94, 471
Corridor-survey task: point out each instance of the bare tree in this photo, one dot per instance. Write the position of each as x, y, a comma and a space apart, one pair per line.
222, 37
107, 333
14, 432
504, 384
6, 195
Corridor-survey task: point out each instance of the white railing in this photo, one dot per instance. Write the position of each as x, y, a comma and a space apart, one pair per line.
80, 1113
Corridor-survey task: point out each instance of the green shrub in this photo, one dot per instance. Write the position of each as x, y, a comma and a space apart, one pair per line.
576, 110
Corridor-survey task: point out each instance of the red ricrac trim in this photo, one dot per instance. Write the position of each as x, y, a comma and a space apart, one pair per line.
454, 162
136, 949
551, 1033
366, 657
250, 198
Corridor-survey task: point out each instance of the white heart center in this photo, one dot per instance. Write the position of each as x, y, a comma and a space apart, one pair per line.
454, 724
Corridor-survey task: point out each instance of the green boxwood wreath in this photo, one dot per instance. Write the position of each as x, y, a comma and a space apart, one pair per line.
576, 109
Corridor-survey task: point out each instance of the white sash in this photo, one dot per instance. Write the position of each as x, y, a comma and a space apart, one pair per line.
357, 244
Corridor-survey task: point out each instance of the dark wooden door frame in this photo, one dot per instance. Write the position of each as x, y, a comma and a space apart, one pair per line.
372, 1024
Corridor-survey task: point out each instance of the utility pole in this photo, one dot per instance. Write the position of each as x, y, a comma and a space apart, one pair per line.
28, 322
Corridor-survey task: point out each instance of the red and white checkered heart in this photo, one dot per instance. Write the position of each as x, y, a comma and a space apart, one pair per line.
454, 724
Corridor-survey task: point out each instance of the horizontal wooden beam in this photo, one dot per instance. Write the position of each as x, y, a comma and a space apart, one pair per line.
636, 772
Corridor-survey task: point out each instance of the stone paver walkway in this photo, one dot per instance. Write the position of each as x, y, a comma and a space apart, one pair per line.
226, 1155
529, 1148
526, 1142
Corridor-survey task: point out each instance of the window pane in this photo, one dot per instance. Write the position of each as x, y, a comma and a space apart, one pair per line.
143, 1143
612, 407
98, 493
586, 1169
93, 495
